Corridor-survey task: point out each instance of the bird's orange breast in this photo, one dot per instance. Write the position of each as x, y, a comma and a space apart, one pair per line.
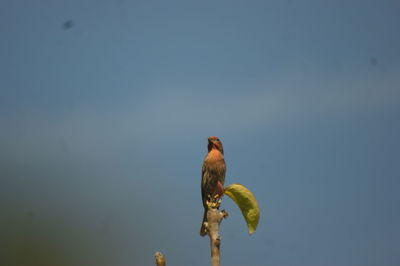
214, 156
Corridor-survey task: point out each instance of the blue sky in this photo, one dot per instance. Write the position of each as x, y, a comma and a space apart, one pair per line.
104, 126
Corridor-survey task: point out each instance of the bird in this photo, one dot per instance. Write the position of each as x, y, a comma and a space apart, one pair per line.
212, 177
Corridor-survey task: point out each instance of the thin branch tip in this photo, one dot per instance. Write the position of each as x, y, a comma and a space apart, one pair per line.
160, 259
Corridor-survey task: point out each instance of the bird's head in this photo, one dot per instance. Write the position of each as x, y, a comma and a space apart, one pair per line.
215, 143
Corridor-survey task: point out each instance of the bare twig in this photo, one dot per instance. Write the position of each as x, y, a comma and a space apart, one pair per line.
214, 218
160, 260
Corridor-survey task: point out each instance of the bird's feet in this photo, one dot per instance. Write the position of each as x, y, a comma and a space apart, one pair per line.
214, 201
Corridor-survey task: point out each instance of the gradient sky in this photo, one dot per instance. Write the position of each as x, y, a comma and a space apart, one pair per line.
106, 106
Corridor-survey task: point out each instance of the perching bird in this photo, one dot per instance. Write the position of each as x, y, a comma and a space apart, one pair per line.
212, 176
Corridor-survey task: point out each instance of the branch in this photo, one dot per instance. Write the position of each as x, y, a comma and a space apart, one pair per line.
214, 218
160, 260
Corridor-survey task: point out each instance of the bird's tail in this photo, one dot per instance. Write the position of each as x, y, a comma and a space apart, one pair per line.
203, 230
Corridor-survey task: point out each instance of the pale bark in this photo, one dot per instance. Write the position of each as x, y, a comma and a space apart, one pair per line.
214, 218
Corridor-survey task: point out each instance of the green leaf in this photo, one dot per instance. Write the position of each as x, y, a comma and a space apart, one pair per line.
246, 202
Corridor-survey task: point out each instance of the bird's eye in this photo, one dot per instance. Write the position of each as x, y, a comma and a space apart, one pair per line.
217, 139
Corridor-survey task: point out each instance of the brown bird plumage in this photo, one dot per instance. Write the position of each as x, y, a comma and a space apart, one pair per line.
212, 176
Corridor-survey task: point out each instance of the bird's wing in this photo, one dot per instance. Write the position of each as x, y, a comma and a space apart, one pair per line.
203, 181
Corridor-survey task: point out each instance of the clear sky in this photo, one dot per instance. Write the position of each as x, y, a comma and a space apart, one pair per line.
106, 106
